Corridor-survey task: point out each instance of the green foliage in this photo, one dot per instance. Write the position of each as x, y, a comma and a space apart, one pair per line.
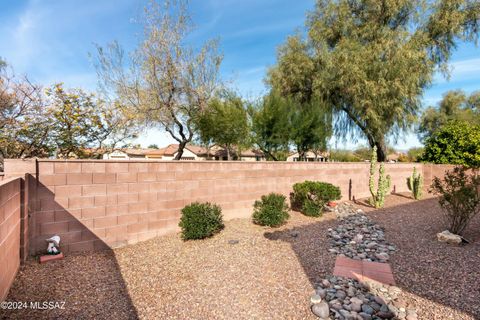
344, 156
455, 106
459, 197
370, 63
270, 126
271, 211
310, 126
224, 122
415, 184
309, 197
81, 123
200, 220
278, 122
383, 185
457, 142
153, 146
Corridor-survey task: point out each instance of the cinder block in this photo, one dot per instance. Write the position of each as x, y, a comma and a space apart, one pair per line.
50, 258
95, 167
137, 227
80, 202
105, 222
106, 200
116, 210
104, 178
67, 191
127, 177
94, 212
53, 179
116, 167
94, 190
146, 176
79, 178
127, 219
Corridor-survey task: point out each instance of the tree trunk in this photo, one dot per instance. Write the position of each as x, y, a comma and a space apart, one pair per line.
381, 150
228, 153
181, 146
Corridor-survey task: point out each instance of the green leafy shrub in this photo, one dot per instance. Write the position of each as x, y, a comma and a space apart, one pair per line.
459, 197
309, 197
378, 196
200, 220
457, 142
271, 211
415, 184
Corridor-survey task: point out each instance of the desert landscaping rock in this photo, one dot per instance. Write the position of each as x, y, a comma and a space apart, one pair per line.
372, 300
357, 237
448, 237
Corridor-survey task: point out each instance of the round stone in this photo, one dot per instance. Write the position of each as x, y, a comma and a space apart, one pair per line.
367, 309
315, 299
321, 310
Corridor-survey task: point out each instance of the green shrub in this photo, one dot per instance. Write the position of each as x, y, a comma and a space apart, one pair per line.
271, 211
200, 220
309, 197
459, 197
457, 142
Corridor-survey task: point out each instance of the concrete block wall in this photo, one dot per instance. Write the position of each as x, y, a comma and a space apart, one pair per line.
95, 204
10, 226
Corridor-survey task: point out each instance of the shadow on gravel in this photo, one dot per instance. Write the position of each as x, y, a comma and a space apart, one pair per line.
445, 274
84, 285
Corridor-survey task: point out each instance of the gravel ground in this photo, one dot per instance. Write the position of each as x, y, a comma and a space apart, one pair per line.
442, 281
268, 274
260, 277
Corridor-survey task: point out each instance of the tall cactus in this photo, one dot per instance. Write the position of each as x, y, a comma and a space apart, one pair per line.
415, 184
378, 196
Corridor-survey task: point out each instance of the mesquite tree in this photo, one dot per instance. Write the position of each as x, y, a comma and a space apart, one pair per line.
165, 82
372, 60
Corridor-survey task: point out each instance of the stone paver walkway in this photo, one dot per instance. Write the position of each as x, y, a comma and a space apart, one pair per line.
364, 270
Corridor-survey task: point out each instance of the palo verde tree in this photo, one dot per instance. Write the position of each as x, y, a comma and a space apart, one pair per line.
372, 60
81, 124
224, 122
165, 82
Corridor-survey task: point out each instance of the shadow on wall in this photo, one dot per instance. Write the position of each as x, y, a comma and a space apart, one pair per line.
91, 279
423, 267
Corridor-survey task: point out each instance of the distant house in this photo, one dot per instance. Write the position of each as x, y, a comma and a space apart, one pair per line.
190, 152
310, 157
126, 154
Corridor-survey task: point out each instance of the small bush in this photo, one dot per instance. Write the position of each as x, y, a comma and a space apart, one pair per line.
200, 220
309, 197
271, 211
459, 197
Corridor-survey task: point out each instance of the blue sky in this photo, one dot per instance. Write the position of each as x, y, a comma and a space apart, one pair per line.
50, 41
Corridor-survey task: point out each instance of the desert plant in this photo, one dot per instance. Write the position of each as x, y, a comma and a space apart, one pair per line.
459, 196
415, 184
378, 196
309, 197
271, 210
200, 220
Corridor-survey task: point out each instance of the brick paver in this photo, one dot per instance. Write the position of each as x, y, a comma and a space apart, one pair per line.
364, 270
